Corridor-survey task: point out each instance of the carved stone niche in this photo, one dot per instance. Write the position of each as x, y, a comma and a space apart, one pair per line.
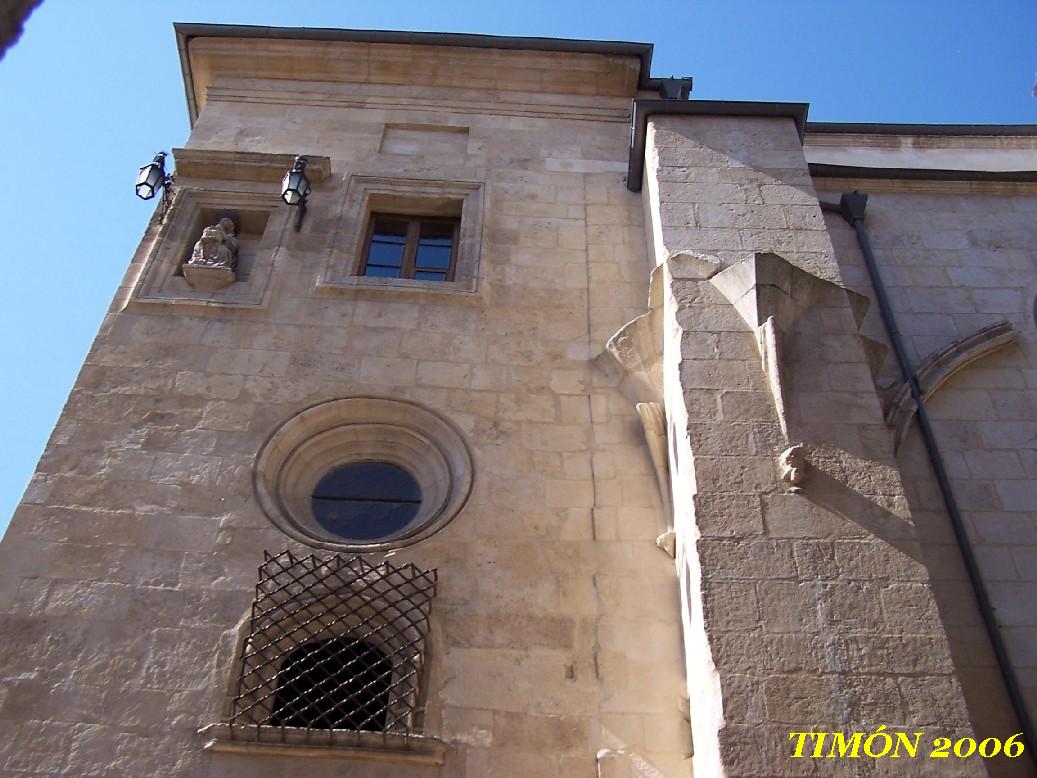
216, 248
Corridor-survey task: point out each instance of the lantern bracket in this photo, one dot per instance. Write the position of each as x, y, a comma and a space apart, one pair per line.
295, 188
153, 177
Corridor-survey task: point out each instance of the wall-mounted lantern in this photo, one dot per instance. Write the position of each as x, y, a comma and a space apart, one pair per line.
153, 177
295, 188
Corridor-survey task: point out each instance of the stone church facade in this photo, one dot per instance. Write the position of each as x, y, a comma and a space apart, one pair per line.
609, 370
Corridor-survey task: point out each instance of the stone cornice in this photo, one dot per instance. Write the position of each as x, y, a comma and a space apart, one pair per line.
914, 141
922, 130
539, 65
893, 185
424, 99
826, 170
244, 165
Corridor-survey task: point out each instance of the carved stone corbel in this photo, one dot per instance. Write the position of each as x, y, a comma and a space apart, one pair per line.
634, 355
771, 294
769, 342
653, 421
793, 462
633, 358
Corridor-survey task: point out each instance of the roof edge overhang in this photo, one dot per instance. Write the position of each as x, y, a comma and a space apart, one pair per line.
926, 138
824, 170
645, 108
185, 32
964, 130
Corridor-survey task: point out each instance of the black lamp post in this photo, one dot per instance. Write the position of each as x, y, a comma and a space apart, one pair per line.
153, 177
295, 188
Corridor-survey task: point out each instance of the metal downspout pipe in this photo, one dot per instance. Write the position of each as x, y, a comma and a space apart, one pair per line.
851, 207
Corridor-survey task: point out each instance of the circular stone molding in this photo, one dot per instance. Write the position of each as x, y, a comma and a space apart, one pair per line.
362, 429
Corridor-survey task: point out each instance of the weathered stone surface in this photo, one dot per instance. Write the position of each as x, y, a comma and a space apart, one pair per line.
940, 295
133, 562
806, 609
561, 642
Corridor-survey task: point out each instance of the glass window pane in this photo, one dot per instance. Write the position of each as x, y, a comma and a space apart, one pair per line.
428, 276
391, 229
368, 481
382, 253
437, 231
366, 500
388, 237
435, 241
377, 271
363, 521
433, 256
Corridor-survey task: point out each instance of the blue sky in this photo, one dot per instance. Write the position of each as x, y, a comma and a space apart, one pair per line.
92, 90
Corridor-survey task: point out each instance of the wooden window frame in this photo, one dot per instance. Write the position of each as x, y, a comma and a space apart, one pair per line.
410, 245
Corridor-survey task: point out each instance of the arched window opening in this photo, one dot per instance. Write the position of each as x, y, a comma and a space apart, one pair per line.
333, 657
335, 644
340, 683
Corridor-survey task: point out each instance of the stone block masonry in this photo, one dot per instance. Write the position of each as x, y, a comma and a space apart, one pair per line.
680, 536
129, 566
800, 610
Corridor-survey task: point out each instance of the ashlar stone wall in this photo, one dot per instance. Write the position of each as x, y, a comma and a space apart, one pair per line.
129, 566
807, 608
956, 258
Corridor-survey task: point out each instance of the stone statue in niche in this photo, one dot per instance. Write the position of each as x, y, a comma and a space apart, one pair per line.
213, 263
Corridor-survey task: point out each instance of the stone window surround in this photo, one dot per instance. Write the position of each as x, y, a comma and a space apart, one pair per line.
330, 434
368, 194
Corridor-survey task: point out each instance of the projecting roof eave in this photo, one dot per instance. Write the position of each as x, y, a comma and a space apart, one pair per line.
923, 152
823, 170
965, 130
643, 108
185, 32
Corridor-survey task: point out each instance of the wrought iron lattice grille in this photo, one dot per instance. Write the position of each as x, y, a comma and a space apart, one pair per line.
335, 644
